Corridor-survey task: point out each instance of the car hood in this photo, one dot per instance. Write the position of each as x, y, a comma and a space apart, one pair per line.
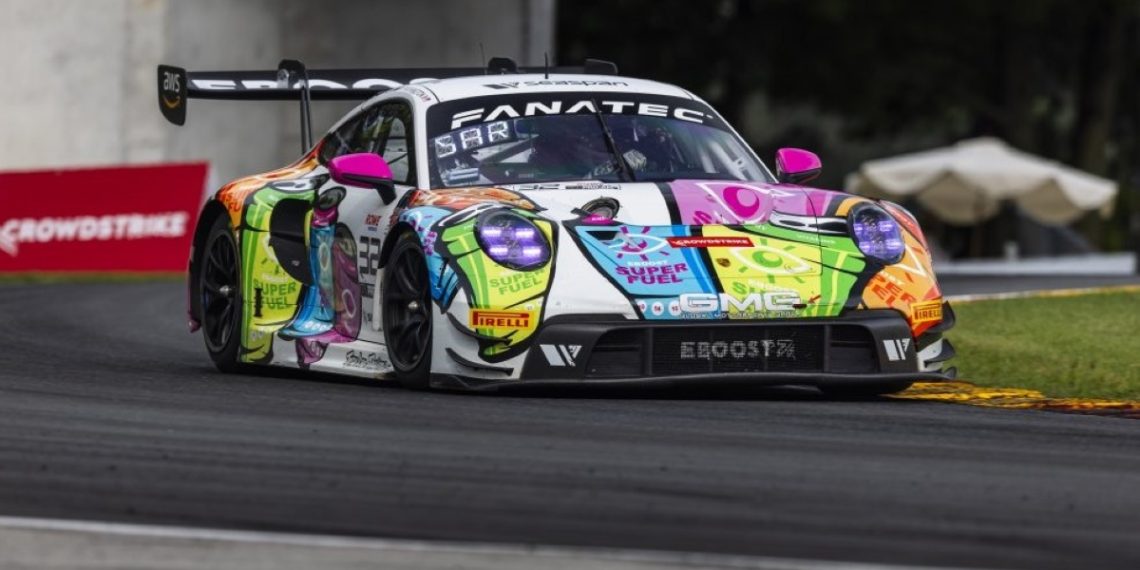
749, 249
687, 202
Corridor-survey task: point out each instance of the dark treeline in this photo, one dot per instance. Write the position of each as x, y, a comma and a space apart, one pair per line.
855, 80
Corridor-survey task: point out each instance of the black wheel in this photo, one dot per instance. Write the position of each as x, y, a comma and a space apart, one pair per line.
219, 287
864, 390
407, 313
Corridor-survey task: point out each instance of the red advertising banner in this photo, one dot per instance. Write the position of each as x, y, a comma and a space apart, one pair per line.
129, 219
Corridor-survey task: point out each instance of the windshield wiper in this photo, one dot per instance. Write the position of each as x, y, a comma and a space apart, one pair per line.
625, 167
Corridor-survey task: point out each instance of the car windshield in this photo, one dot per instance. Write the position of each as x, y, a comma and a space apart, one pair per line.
572, 137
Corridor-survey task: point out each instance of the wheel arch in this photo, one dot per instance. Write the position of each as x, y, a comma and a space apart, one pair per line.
393, 236
210, 213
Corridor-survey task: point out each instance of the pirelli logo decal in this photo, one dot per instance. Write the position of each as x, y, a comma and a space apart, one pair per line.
500, 319
930, 311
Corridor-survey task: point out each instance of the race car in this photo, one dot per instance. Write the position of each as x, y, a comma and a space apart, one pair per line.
485, 228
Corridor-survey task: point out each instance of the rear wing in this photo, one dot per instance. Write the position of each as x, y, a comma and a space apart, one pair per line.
291, 81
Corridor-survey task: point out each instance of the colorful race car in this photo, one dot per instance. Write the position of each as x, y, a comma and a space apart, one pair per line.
475, 230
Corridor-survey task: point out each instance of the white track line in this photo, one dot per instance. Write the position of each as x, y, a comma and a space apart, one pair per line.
57, 534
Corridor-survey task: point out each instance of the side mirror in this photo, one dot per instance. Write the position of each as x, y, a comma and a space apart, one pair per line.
364, 169
795, 165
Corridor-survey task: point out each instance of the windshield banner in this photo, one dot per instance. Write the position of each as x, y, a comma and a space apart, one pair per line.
121, 219
477, 110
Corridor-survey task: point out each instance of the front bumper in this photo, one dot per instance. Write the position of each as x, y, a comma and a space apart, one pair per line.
862, 346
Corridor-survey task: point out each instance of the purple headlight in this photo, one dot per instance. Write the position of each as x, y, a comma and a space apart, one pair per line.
876, 233
512, 240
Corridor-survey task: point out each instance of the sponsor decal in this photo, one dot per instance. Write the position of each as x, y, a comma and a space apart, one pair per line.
784, 349
557, 82
275, 295
372, 220
365, 361
653, 274
930, 311
572, 107
560, 354
100, 219
91, 228
500, 319
653, 263
889, 290
567, 186
172, 89
590, 186
709, 241
514, 283
172, 94
896, 348
219, 84
423, 95
773, 301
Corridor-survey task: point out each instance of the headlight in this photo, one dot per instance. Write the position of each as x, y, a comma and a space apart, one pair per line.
512, 240
876, 233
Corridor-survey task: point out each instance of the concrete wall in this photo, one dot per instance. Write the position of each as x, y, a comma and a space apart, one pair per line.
80, 85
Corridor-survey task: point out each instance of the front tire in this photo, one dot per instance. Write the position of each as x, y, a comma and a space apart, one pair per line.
407, 313
219, 290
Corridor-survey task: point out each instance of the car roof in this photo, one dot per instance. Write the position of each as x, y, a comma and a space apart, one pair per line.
475, 86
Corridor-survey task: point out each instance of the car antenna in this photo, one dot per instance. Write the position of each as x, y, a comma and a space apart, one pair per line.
546, 65
483, 56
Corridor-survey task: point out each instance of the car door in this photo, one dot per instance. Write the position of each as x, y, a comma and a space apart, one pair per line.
352, 219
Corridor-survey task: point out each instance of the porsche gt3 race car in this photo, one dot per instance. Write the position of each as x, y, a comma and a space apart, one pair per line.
478, 230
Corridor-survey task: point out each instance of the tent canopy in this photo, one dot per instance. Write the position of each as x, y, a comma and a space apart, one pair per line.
966, 183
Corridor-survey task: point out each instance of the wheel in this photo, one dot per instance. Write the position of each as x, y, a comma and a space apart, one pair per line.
864, 390
220, 289
407, 313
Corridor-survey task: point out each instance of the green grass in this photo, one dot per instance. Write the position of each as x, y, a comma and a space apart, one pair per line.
1082, 346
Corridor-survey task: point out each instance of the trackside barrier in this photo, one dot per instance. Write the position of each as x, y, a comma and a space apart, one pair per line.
119, 219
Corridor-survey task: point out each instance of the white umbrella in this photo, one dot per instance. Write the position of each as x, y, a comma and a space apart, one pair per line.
965, 183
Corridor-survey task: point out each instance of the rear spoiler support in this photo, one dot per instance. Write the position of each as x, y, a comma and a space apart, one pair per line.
287, 71
292, 81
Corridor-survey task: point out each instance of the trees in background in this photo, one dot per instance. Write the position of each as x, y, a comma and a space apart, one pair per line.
857, 80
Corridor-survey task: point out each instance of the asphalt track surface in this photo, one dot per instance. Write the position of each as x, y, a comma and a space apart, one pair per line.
110, 411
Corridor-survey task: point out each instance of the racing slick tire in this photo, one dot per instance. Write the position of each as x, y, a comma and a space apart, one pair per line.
219, 289
864, 390
407, 313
